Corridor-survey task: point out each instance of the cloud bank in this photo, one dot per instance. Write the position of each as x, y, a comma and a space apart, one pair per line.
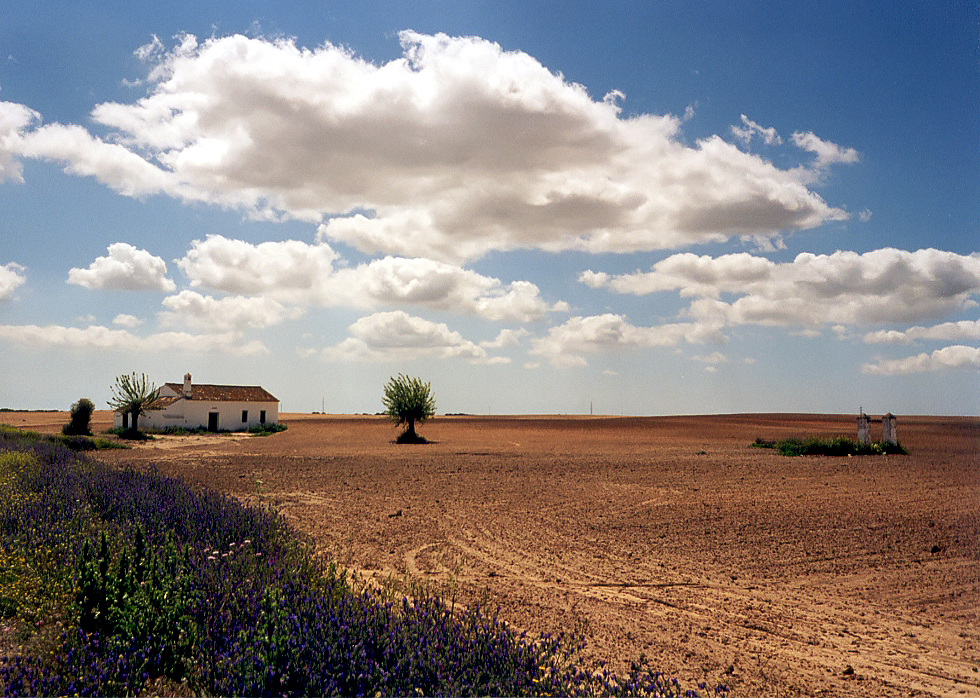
104, 338
955, 357
292, 271
567, 344
452, 150
877, 287
964, 329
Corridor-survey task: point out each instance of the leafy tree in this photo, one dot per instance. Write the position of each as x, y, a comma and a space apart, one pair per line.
407, 401
133, 395
81, 415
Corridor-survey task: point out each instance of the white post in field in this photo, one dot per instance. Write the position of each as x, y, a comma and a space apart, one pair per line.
862, 424
889, 430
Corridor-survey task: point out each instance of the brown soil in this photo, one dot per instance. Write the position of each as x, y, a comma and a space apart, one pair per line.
668, 536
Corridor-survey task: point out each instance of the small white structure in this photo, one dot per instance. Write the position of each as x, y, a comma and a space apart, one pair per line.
863, 437
203, 406
889, 429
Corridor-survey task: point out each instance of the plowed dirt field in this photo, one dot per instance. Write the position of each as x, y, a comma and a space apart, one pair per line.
668, 536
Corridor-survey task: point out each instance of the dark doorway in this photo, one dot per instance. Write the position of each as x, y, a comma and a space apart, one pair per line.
212, 421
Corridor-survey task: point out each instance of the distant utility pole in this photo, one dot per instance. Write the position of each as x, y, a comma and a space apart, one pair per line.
590, 408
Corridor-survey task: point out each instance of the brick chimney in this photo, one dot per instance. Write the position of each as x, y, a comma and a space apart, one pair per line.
187, 386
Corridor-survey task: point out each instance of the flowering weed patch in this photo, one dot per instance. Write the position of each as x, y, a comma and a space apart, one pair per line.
148, 579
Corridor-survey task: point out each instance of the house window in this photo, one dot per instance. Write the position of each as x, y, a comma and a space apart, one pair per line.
244, 416
261, 416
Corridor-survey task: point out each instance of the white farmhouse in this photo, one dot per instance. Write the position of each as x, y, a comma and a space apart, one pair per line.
212, 407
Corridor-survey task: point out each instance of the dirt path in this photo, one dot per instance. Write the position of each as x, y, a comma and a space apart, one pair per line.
668, 536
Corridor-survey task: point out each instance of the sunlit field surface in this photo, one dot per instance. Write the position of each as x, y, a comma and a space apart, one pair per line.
671, 537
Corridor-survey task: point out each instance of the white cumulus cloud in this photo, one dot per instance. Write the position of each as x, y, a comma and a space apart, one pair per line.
452, 150
690, 274
192, 309
297, 272
957, 356
964, 329
827, 153
126, 268
398, 336
128, 321
505, 338
14, 119
843, 288
437, 285
566, 344
11, 277
288, 269
111, 163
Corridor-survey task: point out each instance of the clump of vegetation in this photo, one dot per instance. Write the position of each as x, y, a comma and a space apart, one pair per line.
74, 443
119, 582
181, 431
256, 430
832, 446
81, 416
128, 434
266, 429
407, 401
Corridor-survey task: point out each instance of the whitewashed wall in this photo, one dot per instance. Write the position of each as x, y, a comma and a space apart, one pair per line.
193, 414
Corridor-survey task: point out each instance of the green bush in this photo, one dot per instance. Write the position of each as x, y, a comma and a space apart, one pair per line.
81, 415
832, 446
266, 429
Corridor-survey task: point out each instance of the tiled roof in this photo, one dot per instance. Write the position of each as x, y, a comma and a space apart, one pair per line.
225, 393
164, 401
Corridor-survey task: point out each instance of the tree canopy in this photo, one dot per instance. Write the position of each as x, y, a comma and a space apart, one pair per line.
133, 394
408, 400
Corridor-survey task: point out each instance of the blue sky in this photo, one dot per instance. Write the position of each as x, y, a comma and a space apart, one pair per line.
638, 208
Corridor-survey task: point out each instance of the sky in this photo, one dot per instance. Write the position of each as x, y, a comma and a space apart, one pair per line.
639, 208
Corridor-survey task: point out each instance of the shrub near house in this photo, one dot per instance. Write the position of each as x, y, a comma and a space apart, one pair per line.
206, 406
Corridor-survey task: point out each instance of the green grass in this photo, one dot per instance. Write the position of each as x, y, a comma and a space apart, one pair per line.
266, 429
260, 430
829, 446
